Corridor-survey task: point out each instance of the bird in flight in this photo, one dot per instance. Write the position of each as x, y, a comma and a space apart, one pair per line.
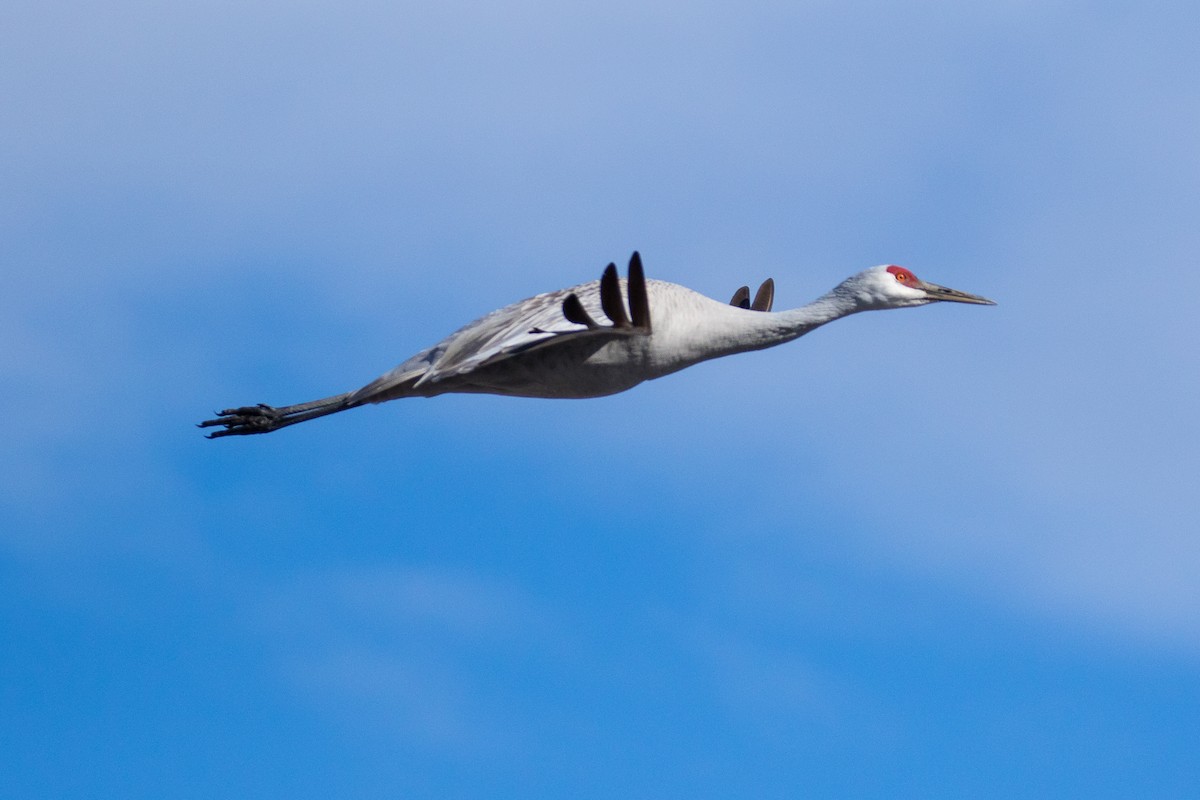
585, 342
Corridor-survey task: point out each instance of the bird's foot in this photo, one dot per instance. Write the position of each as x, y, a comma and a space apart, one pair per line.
263, 418
244, 421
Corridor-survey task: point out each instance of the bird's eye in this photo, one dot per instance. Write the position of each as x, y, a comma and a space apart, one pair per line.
902, 276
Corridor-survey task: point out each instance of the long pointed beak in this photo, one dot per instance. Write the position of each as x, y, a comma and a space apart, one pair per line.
936, 292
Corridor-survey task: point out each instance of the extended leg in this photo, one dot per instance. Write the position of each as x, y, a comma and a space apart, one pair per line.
264, 419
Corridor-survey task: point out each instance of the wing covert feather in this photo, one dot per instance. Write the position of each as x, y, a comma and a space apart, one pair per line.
530, 324
522, 326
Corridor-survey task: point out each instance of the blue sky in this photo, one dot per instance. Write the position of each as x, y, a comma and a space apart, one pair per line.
940, 552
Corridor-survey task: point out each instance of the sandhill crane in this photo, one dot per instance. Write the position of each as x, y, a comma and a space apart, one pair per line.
552, 345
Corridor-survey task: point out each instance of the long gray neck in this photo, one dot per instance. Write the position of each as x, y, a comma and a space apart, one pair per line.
827, 308
788, 325
724, 330
741, 331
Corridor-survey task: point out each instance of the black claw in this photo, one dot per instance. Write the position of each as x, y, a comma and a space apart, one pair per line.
263, 418
260, 418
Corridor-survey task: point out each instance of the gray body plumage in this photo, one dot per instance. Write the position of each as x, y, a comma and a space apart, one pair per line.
552, 345
528, 349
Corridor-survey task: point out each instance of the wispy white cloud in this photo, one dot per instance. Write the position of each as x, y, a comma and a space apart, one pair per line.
220, 203
170, 153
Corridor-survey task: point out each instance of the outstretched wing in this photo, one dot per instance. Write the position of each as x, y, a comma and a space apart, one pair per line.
549, 319
545, 320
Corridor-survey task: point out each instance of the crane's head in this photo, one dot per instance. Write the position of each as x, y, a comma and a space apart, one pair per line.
890, 286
